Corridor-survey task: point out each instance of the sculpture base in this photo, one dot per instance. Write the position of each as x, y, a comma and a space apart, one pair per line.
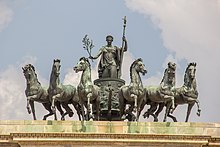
103, 133
109, 106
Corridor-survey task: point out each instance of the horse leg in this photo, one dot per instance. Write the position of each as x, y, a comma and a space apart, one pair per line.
147, 113
58, 106
88, 106
198, 110
169, 105
173, 108
83, 110
151, 111
154, 108
78, 109
68, 110
135, 102
28, 105
121, 105
33, 110
189, 111
130, 116
48, 108
160, 109
53, 104
97, 108
55, 115
172, 117
139, 108
142, 107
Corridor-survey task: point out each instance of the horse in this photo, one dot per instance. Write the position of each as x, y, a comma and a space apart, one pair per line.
65, 94
162, 94
35, 92
187, 93
88, 92
133, 94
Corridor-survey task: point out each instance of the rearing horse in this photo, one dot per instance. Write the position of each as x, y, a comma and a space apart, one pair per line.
134, 93
65, 94
35, 92
187, 94
162, 94
88, 92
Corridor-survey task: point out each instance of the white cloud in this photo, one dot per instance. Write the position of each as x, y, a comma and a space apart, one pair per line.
6, 14
12, 92
11, 95
190, 30
128, 59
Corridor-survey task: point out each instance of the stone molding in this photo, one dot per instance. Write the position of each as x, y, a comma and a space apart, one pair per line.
55, 133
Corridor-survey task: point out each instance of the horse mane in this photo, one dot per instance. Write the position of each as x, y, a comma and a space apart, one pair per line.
164, 74
85, 59
33, 68
133, 64
186, 76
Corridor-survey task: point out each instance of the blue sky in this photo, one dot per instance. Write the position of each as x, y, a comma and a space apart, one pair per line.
158, 31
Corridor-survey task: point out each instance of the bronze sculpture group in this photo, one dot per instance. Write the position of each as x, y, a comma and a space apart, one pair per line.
108, 98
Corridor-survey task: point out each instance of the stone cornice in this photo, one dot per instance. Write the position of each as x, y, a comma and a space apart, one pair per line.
31, 133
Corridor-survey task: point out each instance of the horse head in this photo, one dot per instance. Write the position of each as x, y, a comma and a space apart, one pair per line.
191, 70
169, 75
56, 67
139, 66
190, 73
29, 73
82, 65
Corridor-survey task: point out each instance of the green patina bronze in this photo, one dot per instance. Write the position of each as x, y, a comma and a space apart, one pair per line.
87, 91
35, 92
111, 56
163, 93
108, 98
133, 93
187, 94
63, 94
110, 59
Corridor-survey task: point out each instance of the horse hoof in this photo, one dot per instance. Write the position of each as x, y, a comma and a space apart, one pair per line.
123, 117
145, 115
71, 114
91, 116
29, 111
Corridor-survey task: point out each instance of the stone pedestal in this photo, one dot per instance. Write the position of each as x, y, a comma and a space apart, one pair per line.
104, 133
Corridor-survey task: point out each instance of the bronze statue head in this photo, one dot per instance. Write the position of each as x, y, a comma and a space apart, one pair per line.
109, 39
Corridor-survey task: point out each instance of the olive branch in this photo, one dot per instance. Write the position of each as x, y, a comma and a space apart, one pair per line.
88, 45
